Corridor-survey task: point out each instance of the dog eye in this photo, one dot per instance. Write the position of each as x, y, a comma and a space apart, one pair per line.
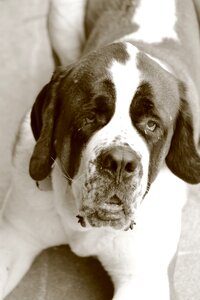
151, 125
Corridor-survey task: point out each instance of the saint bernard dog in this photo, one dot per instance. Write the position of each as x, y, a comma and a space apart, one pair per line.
102, 159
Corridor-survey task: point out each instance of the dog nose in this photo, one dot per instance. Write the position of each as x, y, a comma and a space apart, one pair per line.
120, 161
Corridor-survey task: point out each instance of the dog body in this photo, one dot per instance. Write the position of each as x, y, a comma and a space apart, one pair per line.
113, 139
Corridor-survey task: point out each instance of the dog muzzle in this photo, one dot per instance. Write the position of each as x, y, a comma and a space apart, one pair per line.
110, 195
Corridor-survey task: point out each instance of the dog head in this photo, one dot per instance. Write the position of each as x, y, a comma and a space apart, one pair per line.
111, 120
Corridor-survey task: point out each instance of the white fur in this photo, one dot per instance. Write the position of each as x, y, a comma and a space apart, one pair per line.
156, 20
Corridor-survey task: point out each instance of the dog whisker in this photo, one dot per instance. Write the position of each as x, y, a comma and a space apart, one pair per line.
64, 173
61, 171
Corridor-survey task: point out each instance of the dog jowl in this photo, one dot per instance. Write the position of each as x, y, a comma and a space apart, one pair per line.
110, 120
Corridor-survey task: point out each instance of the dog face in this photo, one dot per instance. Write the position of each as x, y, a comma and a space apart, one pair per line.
111, 120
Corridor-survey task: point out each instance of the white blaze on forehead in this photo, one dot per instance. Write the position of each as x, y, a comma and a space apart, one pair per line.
126, 78
156, 20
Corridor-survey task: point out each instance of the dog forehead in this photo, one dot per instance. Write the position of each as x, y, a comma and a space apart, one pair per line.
126, 78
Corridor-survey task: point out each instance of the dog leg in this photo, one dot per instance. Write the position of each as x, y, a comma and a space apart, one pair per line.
17, 252
28, 225
66, 28
134, 277
25, 231
137, 265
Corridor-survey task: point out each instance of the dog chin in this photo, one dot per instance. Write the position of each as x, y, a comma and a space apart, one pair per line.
113, 222
107, 215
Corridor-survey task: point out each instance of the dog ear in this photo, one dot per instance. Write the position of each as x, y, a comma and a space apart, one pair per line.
183, 159
43, 117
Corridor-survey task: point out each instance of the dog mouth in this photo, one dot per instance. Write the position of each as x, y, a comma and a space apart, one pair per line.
103, 203
113, 213
112, 210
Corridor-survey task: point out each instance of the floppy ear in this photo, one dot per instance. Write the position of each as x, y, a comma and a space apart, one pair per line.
43, 117
183, 159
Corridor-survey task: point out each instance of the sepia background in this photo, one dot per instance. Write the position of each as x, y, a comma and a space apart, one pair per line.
25, 65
